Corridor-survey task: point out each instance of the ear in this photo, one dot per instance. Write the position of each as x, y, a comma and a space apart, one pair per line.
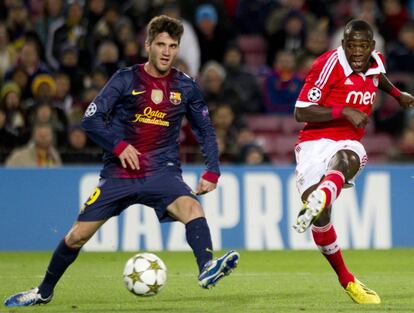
373, 44
147, 46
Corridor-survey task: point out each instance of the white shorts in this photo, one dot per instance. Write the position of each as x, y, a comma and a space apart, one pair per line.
312, 159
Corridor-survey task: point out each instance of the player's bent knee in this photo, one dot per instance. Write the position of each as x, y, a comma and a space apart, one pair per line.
81, 232
73, 242
186, 209
76, 240
196, 210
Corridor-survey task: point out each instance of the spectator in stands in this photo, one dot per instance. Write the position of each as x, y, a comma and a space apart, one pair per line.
317, 42
304, 66
240, 88
44, 113
43, 89
395, 16
106, 28
277, 15
69, 30
8, 54
21, 78
224, 122
404, 149
212, 78
283, 85
52, 10
10, 99
131, 53
257, 11
108, 57
211, 35
124, 30
401, 52
77, 150
245, 136
253, 154
29, 61
94, 12
98, 78
70, 65
39, 152
63, 98
8, 138
88, 95
189, 46
291, 36
18, 23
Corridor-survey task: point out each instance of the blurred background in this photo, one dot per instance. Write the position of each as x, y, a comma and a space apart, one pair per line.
249, 57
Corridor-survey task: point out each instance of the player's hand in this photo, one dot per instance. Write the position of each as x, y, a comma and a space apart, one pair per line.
130, 158
204, 186
356, 117
406, 100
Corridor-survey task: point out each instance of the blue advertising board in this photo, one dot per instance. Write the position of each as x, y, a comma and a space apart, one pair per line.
253, 208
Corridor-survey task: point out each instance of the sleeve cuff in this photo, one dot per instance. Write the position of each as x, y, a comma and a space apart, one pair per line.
210, 177
120, 147
395, 92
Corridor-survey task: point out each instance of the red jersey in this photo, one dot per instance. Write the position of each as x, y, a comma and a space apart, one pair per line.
332, 82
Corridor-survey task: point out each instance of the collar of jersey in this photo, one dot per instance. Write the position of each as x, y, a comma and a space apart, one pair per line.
373, 70
148, 75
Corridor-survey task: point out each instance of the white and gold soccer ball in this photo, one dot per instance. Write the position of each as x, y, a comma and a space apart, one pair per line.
145, 274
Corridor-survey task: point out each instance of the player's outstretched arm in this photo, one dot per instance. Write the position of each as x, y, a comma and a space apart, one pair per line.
405, 99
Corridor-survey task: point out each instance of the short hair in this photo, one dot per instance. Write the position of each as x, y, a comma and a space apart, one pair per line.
358, 25
164, 23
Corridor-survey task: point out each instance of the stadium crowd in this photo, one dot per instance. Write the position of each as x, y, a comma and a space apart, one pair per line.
250, 58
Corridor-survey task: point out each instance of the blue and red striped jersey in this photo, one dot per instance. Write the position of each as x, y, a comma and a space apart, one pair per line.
146, 112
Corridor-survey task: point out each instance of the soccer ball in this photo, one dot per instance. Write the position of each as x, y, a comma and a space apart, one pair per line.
145, 274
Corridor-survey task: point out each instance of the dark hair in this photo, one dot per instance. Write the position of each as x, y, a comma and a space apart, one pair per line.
164, 23
360, 26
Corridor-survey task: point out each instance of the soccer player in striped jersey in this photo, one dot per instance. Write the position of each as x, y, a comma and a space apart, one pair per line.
336, 102
136, 119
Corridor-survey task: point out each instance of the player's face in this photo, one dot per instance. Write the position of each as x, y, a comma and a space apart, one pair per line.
358, 47
162, 52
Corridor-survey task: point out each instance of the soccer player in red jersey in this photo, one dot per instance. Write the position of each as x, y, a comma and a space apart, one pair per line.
136, 119
336, 102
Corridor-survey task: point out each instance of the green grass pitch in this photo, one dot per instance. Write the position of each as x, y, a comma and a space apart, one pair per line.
268, 281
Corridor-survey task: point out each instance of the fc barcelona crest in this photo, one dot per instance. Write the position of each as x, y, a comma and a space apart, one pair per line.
175, 97
156, 96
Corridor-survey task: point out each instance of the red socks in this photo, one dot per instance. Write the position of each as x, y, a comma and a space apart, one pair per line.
325, 239
332, 185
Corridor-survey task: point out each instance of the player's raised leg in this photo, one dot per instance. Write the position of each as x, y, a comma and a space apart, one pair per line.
64, 255
318, 199
324, 195
189, 211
